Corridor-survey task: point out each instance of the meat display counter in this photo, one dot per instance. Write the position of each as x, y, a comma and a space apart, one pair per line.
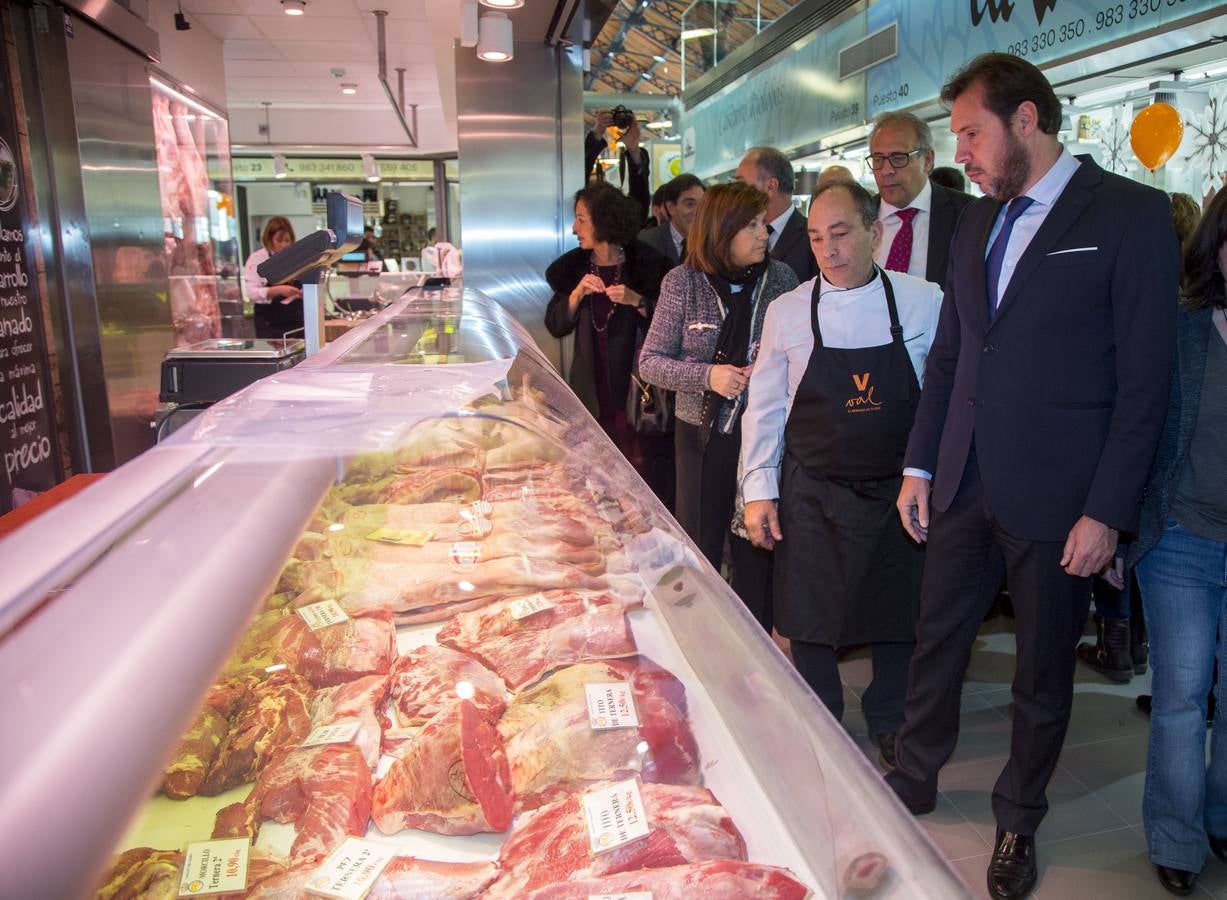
401, 622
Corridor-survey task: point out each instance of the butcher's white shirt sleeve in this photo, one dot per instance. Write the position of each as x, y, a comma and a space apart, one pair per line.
256, 287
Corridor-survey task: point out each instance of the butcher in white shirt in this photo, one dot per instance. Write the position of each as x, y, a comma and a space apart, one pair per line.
831, 401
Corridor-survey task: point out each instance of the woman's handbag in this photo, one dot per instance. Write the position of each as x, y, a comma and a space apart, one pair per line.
649, 409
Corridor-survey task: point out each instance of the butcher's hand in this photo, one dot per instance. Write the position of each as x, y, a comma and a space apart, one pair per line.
763, 523
1088, 548
913, 505
728, 381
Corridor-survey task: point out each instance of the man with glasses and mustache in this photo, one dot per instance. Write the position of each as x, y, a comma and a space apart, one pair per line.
917, 216
1044, 396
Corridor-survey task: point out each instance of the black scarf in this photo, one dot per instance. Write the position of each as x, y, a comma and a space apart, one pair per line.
733, 342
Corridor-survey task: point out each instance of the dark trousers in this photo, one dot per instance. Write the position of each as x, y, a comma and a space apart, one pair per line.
967, 550
750, 574
882, 703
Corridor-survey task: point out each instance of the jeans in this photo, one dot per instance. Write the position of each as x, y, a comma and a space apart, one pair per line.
1184, 592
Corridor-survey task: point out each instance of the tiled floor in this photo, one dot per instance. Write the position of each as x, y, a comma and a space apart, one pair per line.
1091, 844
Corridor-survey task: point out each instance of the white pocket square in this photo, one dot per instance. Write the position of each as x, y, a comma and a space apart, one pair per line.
1073, 250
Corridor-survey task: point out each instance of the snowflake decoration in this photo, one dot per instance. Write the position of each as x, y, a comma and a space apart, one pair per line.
1117, 151
1206, 140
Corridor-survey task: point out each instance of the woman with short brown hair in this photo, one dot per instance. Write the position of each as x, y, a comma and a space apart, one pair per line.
701, 344
278, 307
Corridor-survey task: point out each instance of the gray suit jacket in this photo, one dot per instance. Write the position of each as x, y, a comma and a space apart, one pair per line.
660, 239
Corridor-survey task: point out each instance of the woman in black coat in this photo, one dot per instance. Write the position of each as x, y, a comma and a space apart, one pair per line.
604, 291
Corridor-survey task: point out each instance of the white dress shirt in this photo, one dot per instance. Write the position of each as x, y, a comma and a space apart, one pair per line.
678, 237
777, 227
851, 318
891, 223
255, 286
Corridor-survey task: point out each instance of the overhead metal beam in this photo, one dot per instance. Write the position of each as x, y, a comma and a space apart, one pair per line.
411, 132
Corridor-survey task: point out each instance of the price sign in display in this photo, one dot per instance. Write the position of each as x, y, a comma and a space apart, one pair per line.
350, 873
214, 867
523, 607
408, 537
614, 816
336, 733
611, 705
466, 553
29, 448
322, 614
633, 895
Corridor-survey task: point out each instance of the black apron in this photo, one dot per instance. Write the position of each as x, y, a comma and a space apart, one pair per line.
846, 571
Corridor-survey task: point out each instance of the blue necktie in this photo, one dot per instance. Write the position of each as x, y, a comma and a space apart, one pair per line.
996, 254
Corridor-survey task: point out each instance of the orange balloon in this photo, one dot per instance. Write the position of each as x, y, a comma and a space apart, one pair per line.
1155, 134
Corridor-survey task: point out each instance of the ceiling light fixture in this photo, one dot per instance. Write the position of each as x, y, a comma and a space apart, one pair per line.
495, 42
294, 7
691, 33
659, 58
502, 4
661, 124
279, 167
349, 88
370, 168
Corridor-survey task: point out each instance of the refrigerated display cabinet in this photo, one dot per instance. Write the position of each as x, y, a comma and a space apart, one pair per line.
423, 498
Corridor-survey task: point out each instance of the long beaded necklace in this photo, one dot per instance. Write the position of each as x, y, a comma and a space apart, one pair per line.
617, 279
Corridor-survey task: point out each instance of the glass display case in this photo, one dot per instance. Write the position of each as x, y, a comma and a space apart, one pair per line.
198, 217
401, 622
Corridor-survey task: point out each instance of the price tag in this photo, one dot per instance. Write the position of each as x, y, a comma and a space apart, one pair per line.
404, 536
466, 553
474, 525
481, 508
336, 733
350, 873
633, 895
214, 867
610, 705
322, 614
523, 607
614, 816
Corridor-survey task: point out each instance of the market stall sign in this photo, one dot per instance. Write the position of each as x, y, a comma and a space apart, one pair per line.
936, 36
260, 168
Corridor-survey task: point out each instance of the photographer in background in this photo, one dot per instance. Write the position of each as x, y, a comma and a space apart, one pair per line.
634, 166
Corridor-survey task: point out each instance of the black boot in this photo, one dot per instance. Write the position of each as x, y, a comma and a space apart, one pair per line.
1109, 655
1139, 644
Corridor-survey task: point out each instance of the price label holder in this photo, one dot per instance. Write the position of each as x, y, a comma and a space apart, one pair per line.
633, 895
466, 554
350, 872
523, 607
407, 537
322, 614
611, 705
614, 816
214, 867
336, 733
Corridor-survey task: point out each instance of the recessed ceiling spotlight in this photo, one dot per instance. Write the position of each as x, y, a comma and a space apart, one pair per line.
294, 7
502, 4
348, 87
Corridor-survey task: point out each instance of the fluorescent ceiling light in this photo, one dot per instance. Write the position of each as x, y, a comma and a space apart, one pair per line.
294, 7
279, 169
349, 88
1091, 98
659, 58
495, 42
661, 123
690, 33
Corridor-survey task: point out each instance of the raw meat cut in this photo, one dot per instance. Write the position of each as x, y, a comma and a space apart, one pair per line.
860, 864
274, 714
574, 628
361, 700
325, 791
432, 593
362, 645
551, 845
198, 749
717, 879
147, 874
405, 878
424, 447
430, 678
553, 749
452, 778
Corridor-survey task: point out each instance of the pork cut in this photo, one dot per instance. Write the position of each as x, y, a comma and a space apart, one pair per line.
521, 644
717, 879
360, 646
552, 747
198, 749
452, 778
687, 824
405, 878
324, 791
430, 678
361, 700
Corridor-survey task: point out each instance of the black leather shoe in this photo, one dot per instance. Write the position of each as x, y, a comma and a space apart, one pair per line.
1110, 655
920, 807
1177, 881
886, 746
1218, 846
1011, 872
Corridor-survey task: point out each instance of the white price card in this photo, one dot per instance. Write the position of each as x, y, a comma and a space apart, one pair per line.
523, 607
614, 816
633, 895
322, 614
350, 873
481, 508
214, 867
611, 705
336, 733
466, 553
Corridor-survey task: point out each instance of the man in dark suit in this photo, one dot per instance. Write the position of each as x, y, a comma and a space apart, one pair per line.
770, 171
1043, 400
917, 216
681, 196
